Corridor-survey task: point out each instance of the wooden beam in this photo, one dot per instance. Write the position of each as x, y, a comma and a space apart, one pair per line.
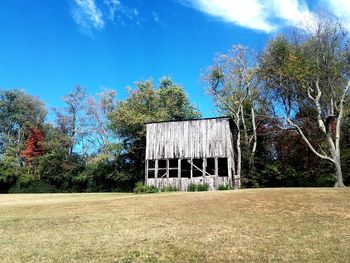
156, 169
191, 160
199, 169
167, 168
229, 169
179, 168
146, 169
216, 167
204, 166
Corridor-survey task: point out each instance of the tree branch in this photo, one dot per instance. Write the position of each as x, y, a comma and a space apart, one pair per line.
301, 133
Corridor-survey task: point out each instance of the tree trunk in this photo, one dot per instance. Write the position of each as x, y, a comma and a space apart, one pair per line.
255, 139
239, 159
337, 165
338, 174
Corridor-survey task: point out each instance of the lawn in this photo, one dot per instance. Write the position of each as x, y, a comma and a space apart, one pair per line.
258, 225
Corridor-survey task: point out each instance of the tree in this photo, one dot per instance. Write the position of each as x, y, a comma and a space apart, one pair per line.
147, 103
34, 145
233, 85
308, 77
69, 119
57, 167
10, 168
99, 135
18, 113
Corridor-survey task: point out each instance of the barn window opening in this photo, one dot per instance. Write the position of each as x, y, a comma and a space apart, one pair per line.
222, 163
210, 166
151, 164
173, 163
172, 173
185, 169
197, 167
162, 168
151, 174
162, 164
173, 168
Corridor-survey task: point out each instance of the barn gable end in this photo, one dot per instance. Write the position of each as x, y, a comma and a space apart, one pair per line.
179, 153
189, 139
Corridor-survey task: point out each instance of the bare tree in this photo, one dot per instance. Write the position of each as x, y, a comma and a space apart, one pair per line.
68, 119
312, 75
97, 111
233, 85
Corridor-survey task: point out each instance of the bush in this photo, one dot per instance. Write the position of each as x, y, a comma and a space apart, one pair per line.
223, 187
197, 187
141, 188
32, 186
169, 189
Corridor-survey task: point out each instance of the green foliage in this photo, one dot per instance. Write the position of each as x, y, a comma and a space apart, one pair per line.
144, 104
106, 165
18, 113
197, 187
18, 110
10, 168
27, 184
169, 189
141, 188
103, 174
224, 187
8, 175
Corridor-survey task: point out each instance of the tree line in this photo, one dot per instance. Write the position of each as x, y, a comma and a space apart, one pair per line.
289, 102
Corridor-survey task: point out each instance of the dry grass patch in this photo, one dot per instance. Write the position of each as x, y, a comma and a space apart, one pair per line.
261, 225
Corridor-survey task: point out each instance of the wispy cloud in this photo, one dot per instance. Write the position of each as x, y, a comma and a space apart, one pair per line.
341, 8
87, 15
94, 15
263, 15
112, 7
155, 16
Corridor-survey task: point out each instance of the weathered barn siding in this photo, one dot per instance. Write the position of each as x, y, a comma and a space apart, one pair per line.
189, 139
183, 183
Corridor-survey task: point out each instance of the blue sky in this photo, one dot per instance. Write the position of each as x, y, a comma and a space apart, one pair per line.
48, 47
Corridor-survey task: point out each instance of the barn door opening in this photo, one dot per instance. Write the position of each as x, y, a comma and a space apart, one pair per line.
162, 171
223, 167
210, 168
185, 168
173, 168
151, 168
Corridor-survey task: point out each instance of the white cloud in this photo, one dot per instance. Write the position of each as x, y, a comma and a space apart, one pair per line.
112, 6
341, 8
264, 15
155, 17
92, 15
136, 13
87, 15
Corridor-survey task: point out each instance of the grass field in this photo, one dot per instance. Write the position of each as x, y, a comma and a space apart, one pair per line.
262, 225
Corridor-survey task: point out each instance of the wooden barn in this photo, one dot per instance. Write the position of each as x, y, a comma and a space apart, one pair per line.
195, 151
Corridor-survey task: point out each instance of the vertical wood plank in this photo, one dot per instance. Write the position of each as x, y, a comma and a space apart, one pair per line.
191, 168
146, 170
229, 169
179, 168
167, 168
204, 166
156, 169
216, 167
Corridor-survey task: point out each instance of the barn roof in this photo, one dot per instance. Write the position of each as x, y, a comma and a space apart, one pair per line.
197, 138
198, 119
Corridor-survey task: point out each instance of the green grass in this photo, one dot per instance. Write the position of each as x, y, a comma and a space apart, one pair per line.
262, 225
